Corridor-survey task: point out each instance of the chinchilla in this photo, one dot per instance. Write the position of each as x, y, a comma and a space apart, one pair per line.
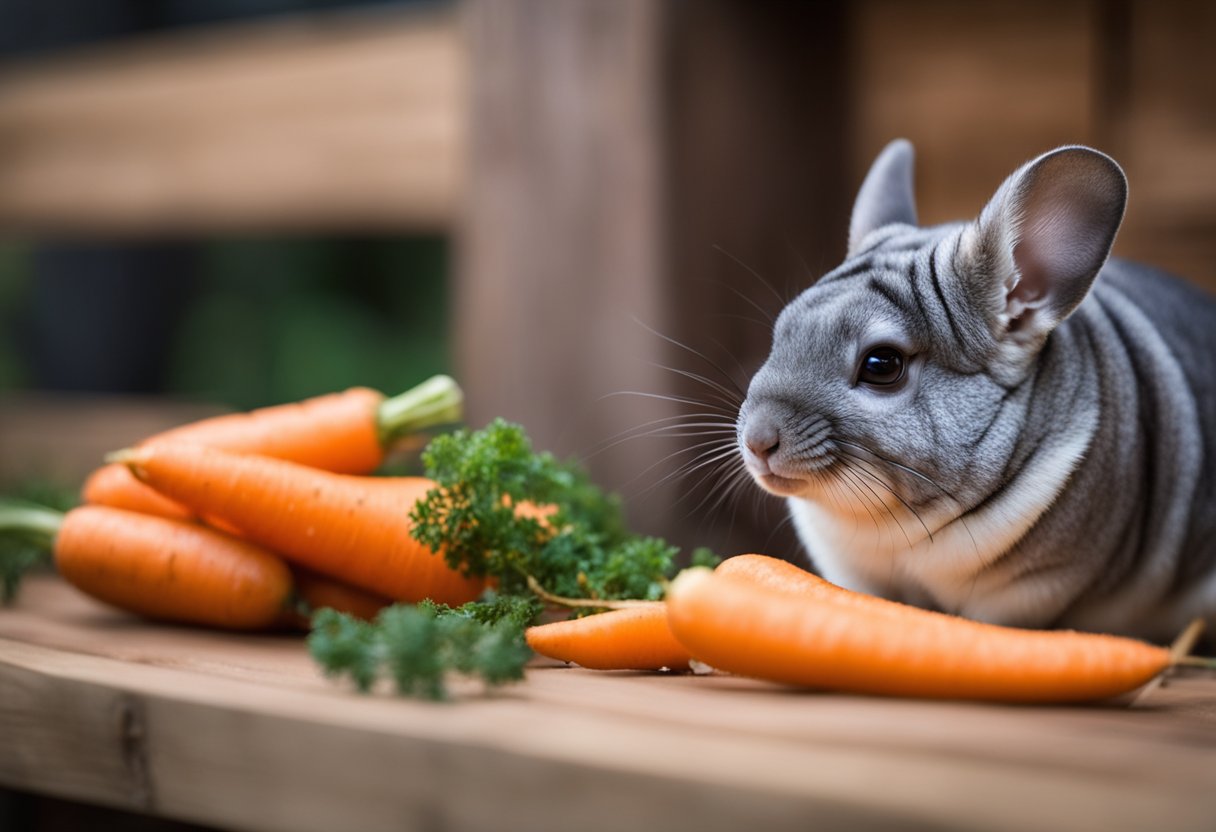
994, 418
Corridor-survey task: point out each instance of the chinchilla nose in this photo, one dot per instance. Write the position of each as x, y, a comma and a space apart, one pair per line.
762, 436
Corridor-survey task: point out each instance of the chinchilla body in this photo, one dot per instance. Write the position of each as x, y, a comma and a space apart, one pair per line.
995, 419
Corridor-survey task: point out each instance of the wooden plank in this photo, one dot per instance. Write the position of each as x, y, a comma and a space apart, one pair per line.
59, 439
345, 122
240, 731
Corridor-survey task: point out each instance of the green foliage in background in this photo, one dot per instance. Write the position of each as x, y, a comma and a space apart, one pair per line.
278, 321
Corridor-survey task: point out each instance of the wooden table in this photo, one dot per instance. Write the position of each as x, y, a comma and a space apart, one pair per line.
241, 732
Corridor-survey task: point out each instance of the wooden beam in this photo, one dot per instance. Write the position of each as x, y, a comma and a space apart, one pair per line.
560, 255
328, 123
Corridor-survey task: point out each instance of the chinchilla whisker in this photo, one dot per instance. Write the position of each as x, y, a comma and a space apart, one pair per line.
737, 316
657, 428
670, 432
765, 283
857, 475
704, 453
733, 397
742, 388
714, 450
725, 402
721, 487
721, 455
679, 420
833, 494
811, 277
669, 398
962, 518
898, 465
786, 521
850, 481
694, 352
730, 486
862, 467
754, 274
706, 458
715, 495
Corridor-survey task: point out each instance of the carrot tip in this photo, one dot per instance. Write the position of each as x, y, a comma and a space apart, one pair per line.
125, 456
689, 577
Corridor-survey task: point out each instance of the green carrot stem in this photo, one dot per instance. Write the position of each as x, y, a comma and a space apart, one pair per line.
27, 534
31, 523
585, 603
436, 401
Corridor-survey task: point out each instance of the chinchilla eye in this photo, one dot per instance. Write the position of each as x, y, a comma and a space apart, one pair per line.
882, 366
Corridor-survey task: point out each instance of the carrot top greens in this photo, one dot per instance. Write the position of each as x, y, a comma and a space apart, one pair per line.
537, 526
26, 532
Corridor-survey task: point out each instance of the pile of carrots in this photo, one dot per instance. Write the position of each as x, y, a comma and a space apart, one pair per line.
240, 521
765, 618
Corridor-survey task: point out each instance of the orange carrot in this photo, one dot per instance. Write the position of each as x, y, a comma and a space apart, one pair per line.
171, 570
355, 529
824, 636
634, 638
112, 485
783, 576
345, 432
319, 591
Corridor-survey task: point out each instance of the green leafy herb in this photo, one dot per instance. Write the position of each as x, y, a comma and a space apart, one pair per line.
418, 645
581, 550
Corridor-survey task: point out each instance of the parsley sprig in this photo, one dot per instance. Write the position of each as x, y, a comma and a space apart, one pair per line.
418, 646
538, 527
579, 547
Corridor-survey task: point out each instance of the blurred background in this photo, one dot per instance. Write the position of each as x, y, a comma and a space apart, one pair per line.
573, 207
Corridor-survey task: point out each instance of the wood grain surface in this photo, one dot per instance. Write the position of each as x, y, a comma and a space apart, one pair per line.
242, 732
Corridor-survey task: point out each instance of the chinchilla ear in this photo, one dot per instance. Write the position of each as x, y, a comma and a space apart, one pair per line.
886, 195
1031, 257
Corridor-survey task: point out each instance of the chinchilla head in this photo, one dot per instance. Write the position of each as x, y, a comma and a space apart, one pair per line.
887, 383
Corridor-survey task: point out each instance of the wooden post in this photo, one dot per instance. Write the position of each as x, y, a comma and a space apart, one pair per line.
614, 146
758, 206
561, 252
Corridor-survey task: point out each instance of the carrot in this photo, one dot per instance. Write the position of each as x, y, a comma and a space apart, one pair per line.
639, 638
171, 570
320, 591
355, 529
825, 636
347, 432
112, 485
783, 576
634, 638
